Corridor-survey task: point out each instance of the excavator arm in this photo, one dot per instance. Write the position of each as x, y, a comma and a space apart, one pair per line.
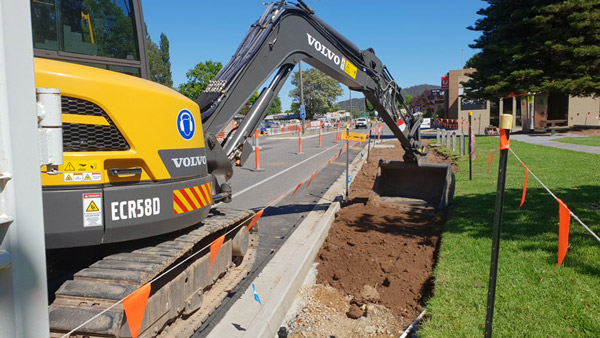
283, 36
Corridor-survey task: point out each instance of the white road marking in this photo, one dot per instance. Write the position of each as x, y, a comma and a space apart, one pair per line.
280, 173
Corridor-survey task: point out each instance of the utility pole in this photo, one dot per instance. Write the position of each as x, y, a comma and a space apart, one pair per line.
302, 109
350, 92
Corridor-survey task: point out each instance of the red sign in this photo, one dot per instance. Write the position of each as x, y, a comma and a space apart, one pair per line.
445, 82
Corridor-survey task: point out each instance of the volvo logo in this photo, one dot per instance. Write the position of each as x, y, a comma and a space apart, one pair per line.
328, 53
189, 161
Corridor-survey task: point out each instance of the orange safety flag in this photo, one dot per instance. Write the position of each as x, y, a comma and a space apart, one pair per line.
311, 178
298, 187
334, 157
489, 156
476, 157
524, 184
255, 219
340, 153
214, 250
273, 201
135, 306
564, 216
491, 162
504, 141
328, 162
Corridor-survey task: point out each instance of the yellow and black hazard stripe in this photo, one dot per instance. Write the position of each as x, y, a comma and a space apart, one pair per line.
193, 198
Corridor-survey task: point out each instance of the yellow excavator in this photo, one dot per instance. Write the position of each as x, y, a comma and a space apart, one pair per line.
142, 160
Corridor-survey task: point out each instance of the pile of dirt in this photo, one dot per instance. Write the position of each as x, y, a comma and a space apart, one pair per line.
378, 257
585, 132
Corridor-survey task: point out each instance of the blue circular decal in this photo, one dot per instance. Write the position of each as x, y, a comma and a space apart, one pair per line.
185, 124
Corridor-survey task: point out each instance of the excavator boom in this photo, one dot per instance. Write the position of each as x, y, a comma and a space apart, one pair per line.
283, 36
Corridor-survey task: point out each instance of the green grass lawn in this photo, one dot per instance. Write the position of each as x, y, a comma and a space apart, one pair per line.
586, 141
534, 298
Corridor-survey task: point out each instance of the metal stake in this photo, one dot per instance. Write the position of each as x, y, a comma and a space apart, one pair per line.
505, 119
470, 156
369, 146
347, 159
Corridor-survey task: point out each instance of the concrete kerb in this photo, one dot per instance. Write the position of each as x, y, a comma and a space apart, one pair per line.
280, 280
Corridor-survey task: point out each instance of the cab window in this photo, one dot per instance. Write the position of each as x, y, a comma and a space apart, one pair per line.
103, 28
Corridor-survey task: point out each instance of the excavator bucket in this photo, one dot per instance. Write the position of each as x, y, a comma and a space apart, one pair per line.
429, 186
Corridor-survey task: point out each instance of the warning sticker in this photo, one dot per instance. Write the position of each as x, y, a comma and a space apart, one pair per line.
92, 210
350, 69
81, 166
82, 177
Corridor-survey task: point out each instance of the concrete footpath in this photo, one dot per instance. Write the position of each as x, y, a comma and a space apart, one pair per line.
546, 140
281, 278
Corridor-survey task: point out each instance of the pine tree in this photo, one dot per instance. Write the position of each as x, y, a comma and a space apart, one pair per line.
159, 60
537, 46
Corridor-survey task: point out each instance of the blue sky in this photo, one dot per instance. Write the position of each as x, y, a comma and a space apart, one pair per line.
419, 41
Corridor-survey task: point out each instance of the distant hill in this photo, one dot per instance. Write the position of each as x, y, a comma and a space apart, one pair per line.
357, 105
415, 91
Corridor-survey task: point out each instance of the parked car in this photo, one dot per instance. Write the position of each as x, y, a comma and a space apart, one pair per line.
362, 122
263, 128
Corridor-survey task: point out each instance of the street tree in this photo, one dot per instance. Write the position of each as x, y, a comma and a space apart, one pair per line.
159, 60
423, 101
320, 91
248, 104
198, 78
275, 107
537, 46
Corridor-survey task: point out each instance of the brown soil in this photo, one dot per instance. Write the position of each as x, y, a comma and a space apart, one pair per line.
375, 253
585, 132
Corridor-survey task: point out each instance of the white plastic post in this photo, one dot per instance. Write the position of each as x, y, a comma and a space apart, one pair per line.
23, 290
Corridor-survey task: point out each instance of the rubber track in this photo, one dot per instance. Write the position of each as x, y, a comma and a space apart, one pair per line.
105, 282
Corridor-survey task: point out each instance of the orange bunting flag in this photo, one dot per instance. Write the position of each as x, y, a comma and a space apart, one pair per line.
214, 250
328, 162
504, 140
311, 178
564, 216
255, 219
298, 187
491, 162
524, 184
135, 306
476, 157
340, 153
489, 156
278, 198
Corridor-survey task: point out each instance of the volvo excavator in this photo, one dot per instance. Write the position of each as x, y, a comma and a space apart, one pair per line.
142, 160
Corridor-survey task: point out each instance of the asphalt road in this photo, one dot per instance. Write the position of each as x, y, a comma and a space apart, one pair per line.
283, 170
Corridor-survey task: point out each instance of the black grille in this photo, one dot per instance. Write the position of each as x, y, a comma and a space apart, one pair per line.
89, 137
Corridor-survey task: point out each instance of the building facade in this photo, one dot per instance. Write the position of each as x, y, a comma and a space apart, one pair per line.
544, 108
